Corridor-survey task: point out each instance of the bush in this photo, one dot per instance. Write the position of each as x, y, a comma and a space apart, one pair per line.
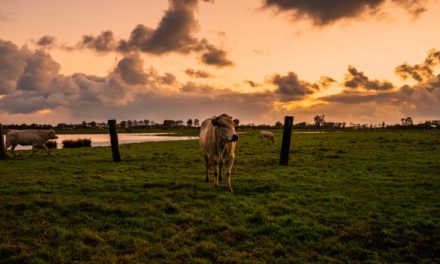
52, 144
79, 143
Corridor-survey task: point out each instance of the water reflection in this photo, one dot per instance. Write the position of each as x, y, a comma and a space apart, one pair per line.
101, 140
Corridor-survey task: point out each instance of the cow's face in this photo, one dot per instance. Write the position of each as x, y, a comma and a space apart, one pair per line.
226, 126
52, 134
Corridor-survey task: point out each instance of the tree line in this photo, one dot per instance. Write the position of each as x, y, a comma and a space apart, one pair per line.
319, 122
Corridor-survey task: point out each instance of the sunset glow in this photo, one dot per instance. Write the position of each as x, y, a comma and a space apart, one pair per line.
259, 60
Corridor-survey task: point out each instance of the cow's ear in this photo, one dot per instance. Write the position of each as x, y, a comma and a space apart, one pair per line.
236, 122
214, 121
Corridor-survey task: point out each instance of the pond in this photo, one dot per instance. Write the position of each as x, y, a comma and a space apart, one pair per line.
101, 140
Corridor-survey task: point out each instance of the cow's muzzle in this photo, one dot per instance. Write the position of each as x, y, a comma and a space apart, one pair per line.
234, 138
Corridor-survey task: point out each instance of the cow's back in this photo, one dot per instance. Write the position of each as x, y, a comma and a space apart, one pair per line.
26, 137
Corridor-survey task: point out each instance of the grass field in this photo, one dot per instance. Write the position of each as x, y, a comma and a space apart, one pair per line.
345, 197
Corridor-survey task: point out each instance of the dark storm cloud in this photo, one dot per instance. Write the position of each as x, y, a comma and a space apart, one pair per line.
420, 72
329, 11
103, 43
198, 73
46, 41
355, 79
290, 88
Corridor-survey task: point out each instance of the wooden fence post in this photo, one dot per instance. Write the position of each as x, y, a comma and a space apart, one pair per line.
2, 145
114, 140
285, 145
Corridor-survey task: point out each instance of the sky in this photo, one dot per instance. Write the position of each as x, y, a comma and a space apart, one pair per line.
363, 61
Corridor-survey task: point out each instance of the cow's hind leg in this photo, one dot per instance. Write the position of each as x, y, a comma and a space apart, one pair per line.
229, 164
34, 149
220, 171
207, 168
13, 149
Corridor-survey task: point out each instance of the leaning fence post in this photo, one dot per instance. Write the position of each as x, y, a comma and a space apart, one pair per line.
114, 140
285, 145
2, 145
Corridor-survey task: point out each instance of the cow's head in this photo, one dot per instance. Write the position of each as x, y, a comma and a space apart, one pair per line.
52, 134
226, 128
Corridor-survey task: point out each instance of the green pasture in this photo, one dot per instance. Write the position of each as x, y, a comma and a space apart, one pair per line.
345, 197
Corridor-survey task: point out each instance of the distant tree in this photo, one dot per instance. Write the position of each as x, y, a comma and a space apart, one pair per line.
196, 122
123, 124
189, 122
319, 120
84, 124
278, 124
179, 123
169, 123
146, 122
407, 121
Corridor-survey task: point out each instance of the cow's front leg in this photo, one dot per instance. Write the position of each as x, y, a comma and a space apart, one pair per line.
216, 174
47, 149
34, 149
229, 164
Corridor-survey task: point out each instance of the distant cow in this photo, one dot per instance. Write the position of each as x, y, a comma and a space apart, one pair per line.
217, 142
267, 135
34, 138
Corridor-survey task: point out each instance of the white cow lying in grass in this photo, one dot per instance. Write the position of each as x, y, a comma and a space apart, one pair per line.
34, 138
267, 135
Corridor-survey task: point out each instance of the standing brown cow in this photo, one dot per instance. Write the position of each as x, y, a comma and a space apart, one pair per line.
217, 142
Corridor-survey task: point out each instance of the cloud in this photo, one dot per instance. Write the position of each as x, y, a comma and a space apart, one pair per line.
355, 79
31, 81
174, 33
12, 64
330, 11
216, 57
103, 43
192, 87
198, 73
290, 88
252, 83
420, 72
39, 73
131, 70
168, 79
46, 41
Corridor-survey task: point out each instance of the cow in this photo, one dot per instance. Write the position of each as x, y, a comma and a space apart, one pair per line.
34, 138
217, 143
267, 135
